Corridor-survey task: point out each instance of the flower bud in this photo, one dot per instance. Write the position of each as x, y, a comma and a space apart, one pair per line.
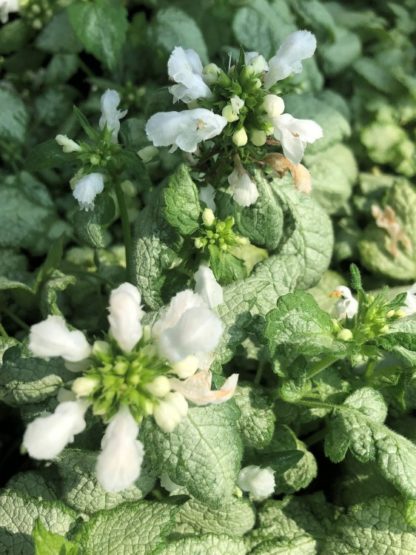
186, 367
100, 348
400, 313
208, 217
82, 387
159, 387
229, 114
210, 73
199, 243
67, 144
345, 335
170, 411
240, 137
147, 153
273, 105
258, 137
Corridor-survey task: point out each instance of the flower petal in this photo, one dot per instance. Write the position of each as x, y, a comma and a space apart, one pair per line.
208, 287
125, 314
197, 388
87, 188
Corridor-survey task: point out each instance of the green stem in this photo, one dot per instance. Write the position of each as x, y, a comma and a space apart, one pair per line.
315, 437
317, 404
125, 224
320, 366
370, 369
3, 332
15, 318
259, 373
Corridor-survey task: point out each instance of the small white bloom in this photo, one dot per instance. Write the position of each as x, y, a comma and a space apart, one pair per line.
297, 47
208, 217
170, 411
207, 195
67, 144
295, 134
184, 130
82, 387
258, 482
47, 436
410, 302
243, 189
197, 388
6, 7
178, 305
52, 338
159, 387
125, 315
240, 137
346, 306
120, 461
87, 188
185, 68
256, 61
110, 115
208, 287
273, 105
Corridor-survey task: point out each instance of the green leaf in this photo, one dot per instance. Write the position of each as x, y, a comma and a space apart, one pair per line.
375, 246
48, 543
378, 526
358, 426
136, 528
101, 27
202, 454
299, 545
257, 418
199, 545
79, 487
234, 519
18, 515
226, 267
26, 380
58, 36
13, 36
47, 155
91, 225
182, 209
37, 484
15, 118
173, 27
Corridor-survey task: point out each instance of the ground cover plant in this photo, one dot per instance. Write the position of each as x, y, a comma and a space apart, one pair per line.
207, 277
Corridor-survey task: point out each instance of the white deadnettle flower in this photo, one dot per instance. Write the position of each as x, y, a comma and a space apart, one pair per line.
184, 130
197, 388
185, 68
243, 189
125, 314
288, 59
208, 287
346, 306
110, 115
295, 134
258, 482
207, 195
410, 302
170, 411
256, 61
6, 7
87, 188
273, 105
52, 338
121, 457
67, 144
47, 436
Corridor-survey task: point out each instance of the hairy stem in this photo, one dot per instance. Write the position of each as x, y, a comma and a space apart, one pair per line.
125, 224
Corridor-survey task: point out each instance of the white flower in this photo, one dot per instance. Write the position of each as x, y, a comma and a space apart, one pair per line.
294, 134
110, 116
170, 411
410, 302
346, 306
185, 68
243, 189
6, 7
87, 188
297, 47
125, 314
120, 461
256, 61
184, 130
186, 367
208, 287
67, 144
197, 388
207, 195
47, 436
52, 338
259, 482
273, 105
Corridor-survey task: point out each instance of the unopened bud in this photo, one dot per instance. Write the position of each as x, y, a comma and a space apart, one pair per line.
400, 313
258, 137
186, 367
148, 153
345, 335
210, 73
229, 114
208, 217
82, 387
159, 387
199, 243
240, 137
273, 105
67, 144
384, 329
101, 348
169, 412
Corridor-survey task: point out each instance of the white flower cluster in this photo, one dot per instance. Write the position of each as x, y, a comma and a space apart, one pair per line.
186, 129
258, 482
186, 335
6, 7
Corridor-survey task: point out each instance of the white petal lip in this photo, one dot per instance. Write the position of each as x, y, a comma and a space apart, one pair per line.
347, 305
207, 195
87, 188
110, 115
52, 338
243, 189
294, 134
298, 46
208, 287
119, 463
178, 305
125, 315
184, 130
197, 388
47, 436
185, 68
410, 301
